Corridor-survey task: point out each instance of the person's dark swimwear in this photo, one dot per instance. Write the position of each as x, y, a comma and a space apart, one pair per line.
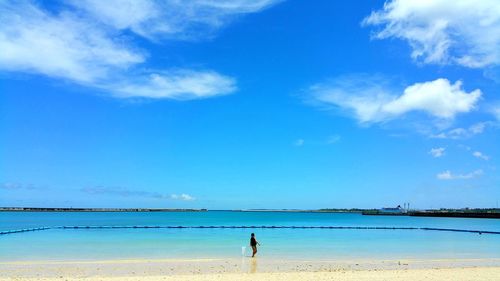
253, 244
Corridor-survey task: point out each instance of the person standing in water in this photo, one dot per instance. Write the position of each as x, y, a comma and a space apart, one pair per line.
253, 244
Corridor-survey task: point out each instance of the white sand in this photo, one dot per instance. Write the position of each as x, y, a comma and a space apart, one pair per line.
253, 269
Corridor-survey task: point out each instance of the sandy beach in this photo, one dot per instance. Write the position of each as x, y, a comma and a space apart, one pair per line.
462, 274
252, 269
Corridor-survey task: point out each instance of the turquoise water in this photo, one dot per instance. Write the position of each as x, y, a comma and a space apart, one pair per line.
82, 244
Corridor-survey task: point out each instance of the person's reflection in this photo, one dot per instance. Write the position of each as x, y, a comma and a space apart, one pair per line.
253, 265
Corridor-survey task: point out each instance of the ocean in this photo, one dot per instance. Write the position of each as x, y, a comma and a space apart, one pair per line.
293, 244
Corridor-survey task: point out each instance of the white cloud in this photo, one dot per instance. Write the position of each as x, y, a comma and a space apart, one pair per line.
175, 85
371, 100
333, 139
182, 197
299, 142
62, 45
438, 98
462, 133
120, 191
437, 152
447, 175
87, 42
464, 32
468, 148
126, 192
495, 110
170, 18
17, 186
330, 140
492, 73
478, 128
361, 95
480, 155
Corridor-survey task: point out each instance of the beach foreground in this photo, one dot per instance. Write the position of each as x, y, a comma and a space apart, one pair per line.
252, 269
455, 274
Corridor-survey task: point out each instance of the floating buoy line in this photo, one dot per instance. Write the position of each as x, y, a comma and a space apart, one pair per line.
250, 227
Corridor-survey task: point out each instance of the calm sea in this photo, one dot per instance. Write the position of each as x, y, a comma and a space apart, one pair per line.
96, 244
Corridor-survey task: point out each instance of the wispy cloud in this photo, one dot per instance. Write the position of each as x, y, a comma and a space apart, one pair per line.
495, 110
298, 142
480, 155
437, 152
371, 99
333, 139
87, 42
463, 133
330, 140
468, 148
17, 186
125, 192
60, 45
492, 73
182, 197
155, 19
180, 85
120, 191
465, 32
448, 175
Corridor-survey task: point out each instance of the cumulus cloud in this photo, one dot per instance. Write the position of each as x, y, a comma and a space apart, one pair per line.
437, 152
439, 98
125, 192
464, 32
89, 43
372, 100
462, 133
447, 175
480, 155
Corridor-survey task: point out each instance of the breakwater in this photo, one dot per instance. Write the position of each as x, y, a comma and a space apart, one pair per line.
40, 209
443, 214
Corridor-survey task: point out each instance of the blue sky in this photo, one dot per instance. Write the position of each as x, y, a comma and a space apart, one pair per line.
249, 104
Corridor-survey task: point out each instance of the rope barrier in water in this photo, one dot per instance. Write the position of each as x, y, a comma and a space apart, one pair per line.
250, 227
23, 230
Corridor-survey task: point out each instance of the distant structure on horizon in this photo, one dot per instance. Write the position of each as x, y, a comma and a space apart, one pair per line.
490, 213
397, 210
390, 211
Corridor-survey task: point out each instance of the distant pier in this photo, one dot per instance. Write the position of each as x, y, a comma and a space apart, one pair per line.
482, 213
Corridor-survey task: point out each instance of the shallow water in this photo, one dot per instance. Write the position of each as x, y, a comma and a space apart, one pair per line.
83, 244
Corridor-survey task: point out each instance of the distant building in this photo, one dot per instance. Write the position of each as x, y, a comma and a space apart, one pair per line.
397, 210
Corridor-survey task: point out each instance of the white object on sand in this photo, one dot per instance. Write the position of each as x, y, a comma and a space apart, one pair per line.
243, 250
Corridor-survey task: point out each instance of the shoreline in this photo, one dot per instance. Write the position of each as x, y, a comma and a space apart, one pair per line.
204, 269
